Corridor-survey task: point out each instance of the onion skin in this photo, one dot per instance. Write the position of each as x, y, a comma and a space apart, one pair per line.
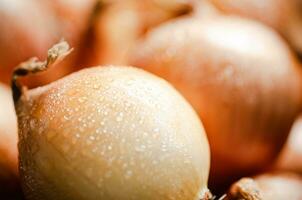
232, 79
9, 186
283, 15
290, 158
269, 186
110, 133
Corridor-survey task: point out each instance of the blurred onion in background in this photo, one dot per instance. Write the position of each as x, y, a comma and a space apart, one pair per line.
9, 185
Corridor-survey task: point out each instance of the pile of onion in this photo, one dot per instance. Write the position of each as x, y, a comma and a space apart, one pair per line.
8, 146
108, 133
283, 15
240, 77
30, 27
119, 132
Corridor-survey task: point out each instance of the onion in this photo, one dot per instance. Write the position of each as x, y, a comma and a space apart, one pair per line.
115, 30
291, 156
239, 76
73, 17
274, 186
108, 133
8, 145
30, 27
26, 30
120, 24
283, 15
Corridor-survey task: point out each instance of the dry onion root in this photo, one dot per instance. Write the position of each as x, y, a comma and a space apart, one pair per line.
240, 77
283, 15
8, 146
275, 186
108, 133
290, 158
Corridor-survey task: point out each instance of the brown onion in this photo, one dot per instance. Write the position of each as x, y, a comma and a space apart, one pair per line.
115, 29
27, 29
120, 24
30, 27
108, 133
283, 15
8, 145
291, 155
73, 17
240, 77
270, 186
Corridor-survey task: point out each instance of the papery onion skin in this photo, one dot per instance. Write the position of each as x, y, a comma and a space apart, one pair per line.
8, 145
290, 158
111, 133
239, 76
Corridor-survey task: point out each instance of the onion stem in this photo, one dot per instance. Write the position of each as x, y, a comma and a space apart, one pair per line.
54, 55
